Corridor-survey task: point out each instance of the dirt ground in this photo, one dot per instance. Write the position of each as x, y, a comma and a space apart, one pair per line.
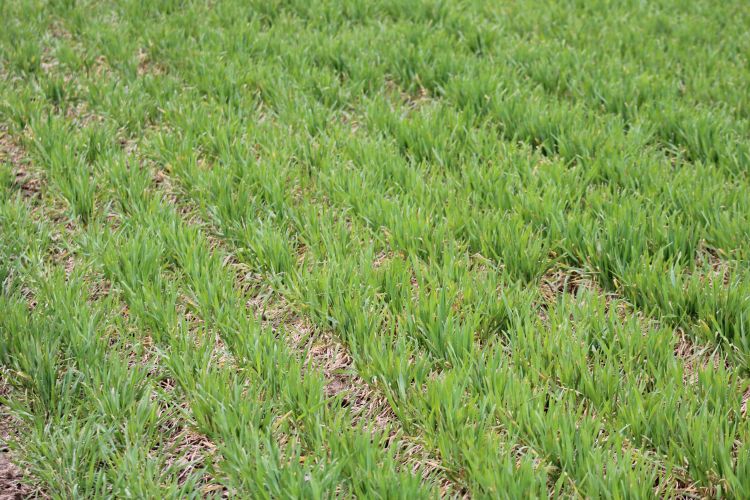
11, 487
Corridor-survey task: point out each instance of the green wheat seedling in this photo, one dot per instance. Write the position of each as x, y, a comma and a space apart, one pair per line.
376, 249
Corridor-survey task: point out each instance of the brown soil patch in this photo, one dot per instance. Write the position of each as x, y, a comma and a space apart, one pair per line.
12, 486
413, 100
147, 66
11, 153
696, 357
715, 265
11, 477
558, 281
188, 450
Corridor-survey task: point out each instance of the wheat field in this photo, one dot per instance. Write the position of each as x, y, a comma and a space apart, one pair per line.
374, 249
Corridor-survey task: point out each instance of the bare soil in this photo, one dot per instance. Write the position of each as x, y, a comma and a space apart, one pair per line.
11, 476
11, 485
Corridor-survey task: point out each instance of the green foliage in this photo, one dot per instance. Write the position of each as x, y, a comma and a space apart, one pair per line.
412, 179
